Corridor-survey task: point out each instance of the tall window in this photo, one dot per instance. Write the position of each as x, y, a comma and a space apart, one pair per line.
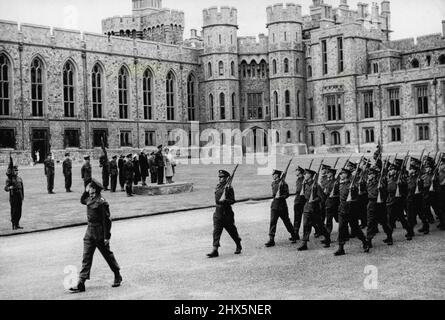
276, 104
286, 65
369, 135
71, 139
212, 113
287, 102
299, 113
441, 59
396, 134
415, 63
123, 93
274, 66
4, 85
348, 137
334, 107
375, 67
221, 68
423, 132
368, 105
170, 95
324, 57
209, 69
312, 139
288, 137
222, 106
68, 89
309, 71
422, 99
96, 85
125, 138
37, 88
233, 106
394, 102
254, 106
323, 139
147, 88
150, 138
191, 85
98, 135
335, 138
277, 137
340, 54
311, 108
232, 69
7, 138
297, 66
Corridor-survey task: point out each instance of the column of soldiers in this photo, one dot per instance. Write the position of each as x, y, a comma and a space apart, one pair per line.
360, 196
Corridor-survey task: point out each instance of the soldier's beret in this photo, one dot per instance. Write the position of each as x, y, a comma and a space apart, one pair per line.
351, 165
333, 171
67, 154
96, 184
86, 157
397, 164
311, 172
325, 167
374, 170
414, 166
16, 167
114, 157
129, 155
121, 156
300, 169
278, 172
429, 162
160, 146
345, 170
223, 174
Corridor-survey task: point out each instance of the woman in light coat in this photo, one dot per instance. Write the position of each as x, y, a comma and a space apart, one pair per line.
169, 164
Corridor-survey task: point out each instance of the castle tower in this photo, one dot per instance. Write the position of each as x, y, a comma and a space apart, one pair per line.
286, 65
220, 68
146, 7
386, 18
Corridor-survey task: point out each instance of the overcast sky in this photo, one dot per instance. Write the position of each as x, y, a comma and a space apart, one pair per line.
409, 17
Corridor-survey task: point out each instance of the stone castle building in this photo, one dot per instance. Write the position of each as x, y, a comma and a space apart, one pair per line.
329, 81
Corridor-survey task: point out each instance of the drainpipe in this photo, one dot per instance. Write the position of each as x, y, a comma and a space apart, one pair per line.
86, 106
436, 113
137, 98
357, 113
22, 101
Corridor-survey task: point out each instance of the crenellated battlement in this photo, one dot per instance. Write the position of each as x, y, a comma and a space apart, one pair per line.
252, 44
225, 15
281, 13
417, 44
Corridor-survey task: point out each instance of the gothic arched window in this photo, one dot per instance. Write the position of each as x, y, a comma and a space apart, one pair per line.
97, 90
147, 88
4, 85
170, 95
123, 93
37, 87
191, 96
68, 89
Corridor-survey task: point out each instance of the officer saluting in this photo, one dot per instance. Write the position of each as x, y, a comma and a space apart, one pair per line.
49, 173
278, 208
223, 218
86, 171
97, 235
113, 173
67, 172
14, 185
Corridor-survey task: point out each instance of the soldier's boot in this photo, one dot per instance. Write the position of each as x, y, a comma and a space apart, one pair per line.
17, 226
238, 248
388, 240
425, 229
326, 242
294, 237
303, 247
370, 243
117, 280
13, 226
410, 234
340, 251
365, 245
214, 253
271, 242
79, 288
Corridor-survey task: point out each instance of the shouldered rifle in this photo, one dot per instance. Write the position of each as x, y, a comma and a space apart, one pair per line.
354, 179
436, 171
399, 178
314, 184
336, 162
419, 176
283, 178
337, 179
228, 183
379, 185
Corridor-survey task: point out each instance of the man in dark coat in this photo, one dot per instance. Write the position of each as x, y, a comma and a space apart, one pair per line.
129, 175
332, 200
49, 173
223, 218
14, 185
120, 165
299, 202
143, 163
136, 170
67, 167
160, 164
113, 173
153, 168
86, 172
105, 165
427, 196
98, 235
278, 208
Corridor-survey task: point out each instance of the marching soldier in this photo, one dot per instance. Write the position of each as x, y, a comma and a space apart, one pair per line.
105, 165
332, 199
120, 165
427, 196
362, 194
128, 174
278, 208
346, 215
14, 185
86, 171
441, 192
413, 200
323, 181
376, 212
67, 167
394, 205
114, 173
299, 202
98, 235
312, 208
49, 173
223, 218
